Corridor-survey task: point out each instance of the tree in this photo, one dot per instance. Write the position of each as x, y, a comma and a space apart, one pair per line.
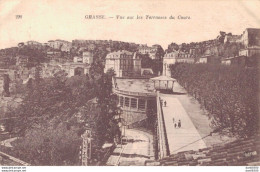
35, 55
49, 146
228, 93
160, 52
146, 61
6, 85
107, 102
59, 105
18, 87
173, 47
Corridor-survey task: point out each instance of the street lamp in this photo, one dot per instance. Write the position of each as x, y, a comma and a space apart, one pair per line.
120, 121
86, 146
119, 111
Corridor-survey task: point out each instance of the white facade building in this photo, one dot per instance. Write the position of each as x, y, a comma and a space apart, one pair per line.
174, 57
124, 63
151, 51
60, 45
203, 59
169, 59
73, 69
77, 59
87, 57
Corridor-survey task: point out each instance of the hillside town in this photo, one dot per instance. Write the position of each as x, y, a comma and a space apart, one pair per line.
121, 103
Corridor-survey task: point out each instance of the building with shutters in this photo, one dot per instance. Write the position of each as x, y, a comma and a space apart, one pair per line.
124, 63
175, 57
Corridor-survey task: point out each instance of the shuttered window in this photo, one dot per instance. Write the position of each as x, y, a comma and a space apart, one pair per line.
133, 103
127, 101
121, 101
141, 104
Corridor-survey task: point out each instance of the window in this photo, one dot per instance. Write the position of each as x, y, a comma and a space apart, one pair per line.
121, 101
133, 103
127, 101
141, 104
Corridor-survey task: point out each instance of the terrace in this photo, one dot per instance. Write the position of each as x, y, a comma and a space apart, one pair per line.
137, 87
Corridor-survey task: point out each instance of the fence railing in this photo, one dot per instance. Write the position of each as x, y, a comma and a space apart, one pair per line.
152, 94
161, 131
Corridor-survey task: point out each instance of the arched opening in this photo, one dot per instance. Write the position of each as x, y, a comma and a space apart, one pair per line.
79, 71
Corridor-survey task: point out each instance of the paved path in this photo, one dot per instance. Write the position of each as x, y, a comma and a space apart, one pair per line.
136, 151
180, 138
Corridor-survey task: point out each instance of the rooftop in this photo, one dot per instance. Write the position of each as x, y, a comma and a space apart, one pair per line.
241, 152
163, 78
134, 85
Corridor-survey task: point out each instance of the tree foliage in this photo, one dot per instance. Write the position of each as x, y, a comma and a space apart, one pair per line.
55, 112
47, 145
228, 93
154, 64
107, 102
6, 85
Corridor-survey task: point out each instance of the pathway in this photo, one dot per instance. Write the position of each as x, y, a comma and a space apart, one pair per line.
179, 139
136, 151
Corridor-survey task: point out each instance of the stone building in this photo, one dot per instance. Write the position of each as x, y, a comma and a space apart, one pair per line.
73, 69
151, 51
250, 51
124, 63
33, 43
60, 45
66, 47
250, 41
169, 59
229, 38
77, 59
226, 61
251, 38
203, 59
87, 57
175, 57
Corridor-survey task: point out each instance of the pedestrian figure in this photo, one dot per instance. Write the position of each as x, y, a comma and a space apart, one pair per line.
173, 120
175, 125
179, 124
165, 103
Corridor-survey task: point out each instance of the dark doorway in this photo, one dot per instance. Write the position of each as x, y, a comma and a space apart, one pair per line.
79, 71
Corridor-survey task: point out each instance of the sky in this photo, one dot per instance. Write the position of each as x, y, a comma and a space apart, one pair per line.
44, 20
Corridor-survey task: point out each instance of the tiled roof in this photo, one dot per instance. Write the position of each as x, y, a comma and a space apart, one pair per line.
238, 153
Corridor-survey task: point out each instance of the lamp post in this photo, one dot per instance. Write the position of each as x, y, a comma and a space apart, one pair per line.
120, 121
86, 147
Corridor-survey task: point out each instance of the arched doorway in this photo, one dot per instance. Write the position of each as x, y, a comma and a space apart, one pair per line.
79, 71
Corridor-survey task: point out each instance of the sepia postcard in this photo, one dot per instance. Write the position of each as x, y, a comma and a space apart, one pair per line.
129, 83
